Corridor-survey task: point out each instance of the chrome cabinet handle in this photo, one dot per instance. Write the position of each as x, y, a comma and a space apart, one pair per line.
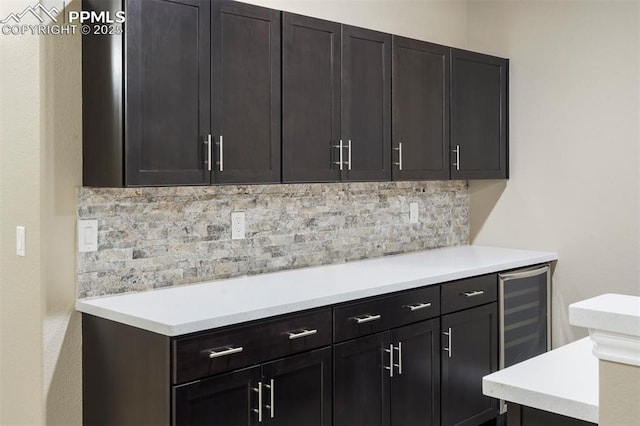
228, 351
367, 318
340, 162
349, 156
208, 143
259, 409
418, 306
457, 151
472, 293
390, 367
399, 364
271, 405
303, 333
221, 153
399, 149
449, 334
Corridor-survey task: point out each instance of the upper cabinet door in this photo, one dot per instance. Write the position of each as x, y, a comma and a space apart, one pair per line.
366, 105
310, 99
420, 110
167, 92
246, 93
479, 116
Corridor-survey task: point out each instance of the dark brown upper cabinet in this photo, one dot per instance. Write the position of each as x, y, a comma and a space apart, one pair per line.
479, 116
310, 99
146, 100
246, 93
420, 99
366, 105
191, 96
206, 92
336, 103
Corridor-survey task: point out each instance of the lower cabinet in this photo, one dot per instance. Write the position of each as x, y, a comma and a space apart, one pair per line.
415, 391
361, 381
299, 390
415, 357
295, 390
224, 400
469, 352
390, 377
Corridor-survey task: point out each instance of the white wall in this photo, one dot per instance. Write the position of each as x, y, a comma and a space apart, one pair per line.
40, 163
21, 299
438, 21
574, 118
61, 174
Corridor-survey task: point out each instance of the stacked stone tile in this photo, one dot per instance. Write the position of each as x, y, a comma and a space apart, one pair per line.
157, 237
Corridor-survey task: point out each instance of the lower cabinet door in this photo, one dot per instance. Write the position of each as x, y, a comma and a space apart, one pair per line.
469, 343
415, 386
297, 390
224, 400
362, 381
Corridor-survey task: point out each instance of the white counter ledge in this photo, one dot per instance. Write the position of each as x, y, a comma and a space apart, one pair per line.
185, 309
613, 321
563, 381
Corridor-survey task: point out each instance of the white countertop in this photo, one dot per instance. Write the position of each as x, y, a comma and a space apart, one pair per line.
618, 313
563, 381
613, 321
185, 309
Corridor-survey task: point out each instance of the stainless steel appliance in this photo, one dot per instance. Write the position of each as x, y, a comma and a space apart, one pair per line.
524, 303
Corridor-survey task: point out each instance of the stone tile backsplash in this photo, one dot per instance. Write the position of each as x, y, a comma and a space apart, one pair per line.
157, 237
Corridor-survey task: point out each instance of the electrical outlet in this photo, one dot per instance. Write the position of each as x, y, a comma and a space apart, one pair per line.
237, 225
413, 212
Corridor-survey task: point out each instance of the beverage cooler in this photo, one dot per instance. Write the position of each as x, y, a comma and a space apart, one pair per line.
524, 314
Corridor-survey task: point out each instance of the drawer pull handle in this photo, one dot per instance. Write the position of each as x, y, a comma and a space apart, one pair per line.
367, 318
472, 293
303, 333
229, 351
418, 306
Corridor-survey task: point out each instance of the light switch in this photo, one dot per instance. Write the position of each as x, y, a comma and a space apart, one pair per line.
21, 249
87, 235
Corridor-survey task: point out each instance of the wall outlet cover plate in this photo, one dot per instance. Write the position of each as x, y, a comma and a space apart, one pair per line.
237, 225
87, 235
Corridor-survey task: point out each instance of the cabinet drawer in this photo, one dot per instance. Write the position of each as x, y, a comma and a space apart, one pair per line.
385, 312
468, 293
206, 354
416, 305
